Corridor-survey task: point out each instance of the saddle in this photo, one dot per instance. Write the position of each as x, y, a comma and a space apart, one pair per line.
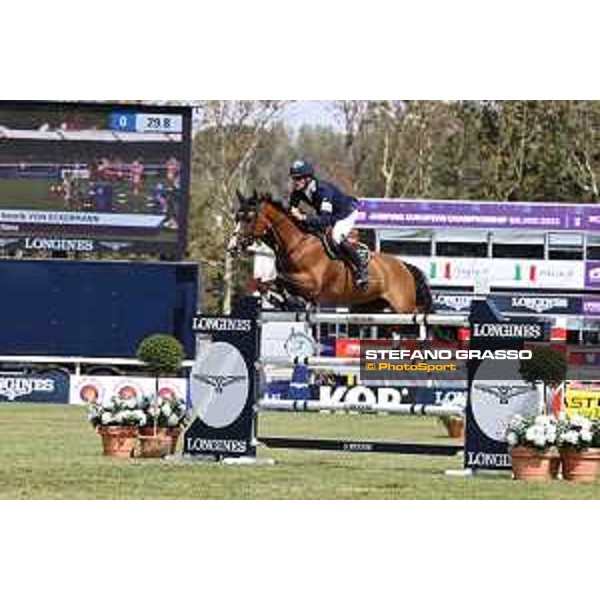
331, 249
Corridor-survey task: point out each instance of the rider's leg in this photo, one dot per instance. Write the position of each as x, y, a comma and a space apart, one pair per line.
340, 233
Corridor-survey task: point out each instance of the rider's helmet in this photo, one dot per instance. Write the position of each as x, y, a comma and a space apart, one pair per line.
301, 168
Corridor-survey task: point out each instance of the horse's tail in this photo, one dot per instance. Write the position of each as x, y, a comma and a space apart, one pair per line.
423, 291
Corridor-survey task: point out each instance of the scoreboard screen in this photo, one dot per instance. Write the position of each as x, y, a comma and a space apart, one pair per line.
94, 177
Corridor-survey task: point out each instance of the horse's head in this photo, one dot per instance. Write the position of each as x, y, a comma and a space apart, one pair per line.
254, 219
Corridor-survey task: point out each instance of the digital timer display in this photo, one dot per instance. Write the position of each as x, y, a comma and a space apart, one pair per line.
146, 122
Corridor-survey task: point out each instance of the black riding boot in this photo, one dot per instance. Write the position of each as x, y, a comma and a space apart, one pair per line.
358, 267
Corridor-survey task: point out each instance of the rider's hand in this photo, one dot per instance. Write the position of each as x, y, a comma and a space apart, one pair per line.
297, 214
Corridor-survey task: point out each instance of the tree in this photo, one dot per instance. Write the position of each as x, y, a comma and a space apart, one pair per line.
225, 144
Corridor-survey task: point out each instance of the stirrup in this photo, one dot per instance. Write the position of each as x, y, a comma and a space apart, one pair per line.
361, 281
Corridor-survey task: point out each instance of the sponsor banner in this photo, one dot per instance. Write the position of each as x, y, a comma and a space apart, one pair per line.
501, 272
584, 358
449, 302
540, 305
391, 214
591, 305
592, 274
90, 388
223, 384
583, 401
347, 348
51, 388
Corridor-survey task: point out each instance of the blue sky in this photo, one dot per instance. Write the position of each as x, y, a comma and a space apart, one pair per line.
309, 112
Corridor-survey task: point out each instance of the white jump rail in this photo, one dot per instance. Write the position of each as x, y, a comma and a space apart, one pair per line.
366, 319
313, 361
78, 361
273, 405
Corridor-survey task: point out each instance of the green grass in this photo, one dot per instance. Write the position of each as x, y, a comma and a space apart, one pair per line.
52, 452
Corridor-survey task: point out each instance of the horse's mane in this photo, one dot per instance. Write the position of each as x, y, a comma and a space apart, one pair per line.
283, 207
280, 205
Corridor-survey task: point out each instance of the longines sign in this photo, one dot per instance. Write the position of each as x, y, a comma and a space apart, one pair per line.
207, 324
53, 388
521, 331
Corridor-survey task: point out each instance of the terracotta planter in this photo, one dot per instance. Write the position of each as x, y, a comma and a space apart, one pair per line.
455, 427
118, 441
154, 444
580, 466
532, 465
555, 464
173, 433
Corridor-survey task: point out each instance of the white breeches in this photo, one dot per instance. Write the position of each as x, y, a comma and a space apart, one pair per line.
264, 263
342, 229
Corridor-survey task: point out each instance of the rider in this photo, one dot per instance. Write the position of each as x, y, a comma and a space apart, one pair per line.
334, 209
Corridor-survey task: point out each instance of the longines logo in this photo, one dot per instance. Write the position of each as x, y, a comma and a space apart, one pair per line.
508, 330
537, 304
457, 303
220, 382
504, 392
59, 244
221, 324
15, 387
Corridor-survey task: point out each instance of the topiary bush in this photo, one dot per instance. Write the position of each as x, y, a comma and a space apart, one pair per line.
162, 353
546, 365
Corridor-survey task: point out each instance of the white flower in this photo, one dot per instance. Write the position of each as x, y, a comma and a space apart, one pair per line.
512, 438
173, 421
586, 435
131, 403
129, 415
119, 417
166, 410
571, 437
516, 421
106, 418
108, 404
581, 421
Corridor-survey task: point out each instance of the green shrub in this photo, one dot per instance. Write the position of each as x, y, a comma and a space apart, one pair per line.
546, 365
163, 354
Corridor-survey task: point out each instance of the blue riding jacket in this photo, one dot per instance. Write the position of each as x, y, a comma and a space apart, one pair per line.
331, 204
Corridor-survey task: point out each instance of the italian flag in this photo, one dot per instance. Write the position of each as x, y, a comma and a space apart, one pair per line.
525, 273
447, 271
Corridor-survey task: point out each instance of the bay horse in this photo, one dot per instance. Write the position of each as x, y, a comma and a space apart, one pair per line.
306, 270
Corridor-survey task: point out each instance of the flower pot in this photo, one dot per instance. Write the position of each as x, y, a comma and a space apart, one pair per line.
555, 463
580, 466
173, 433
455, 427
118, 440
529, 464
154, 444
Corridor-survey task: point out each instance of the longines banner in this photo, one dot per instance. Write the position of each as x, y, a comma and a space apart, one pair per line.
455, 302
86, 389
51, 388
222, 385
